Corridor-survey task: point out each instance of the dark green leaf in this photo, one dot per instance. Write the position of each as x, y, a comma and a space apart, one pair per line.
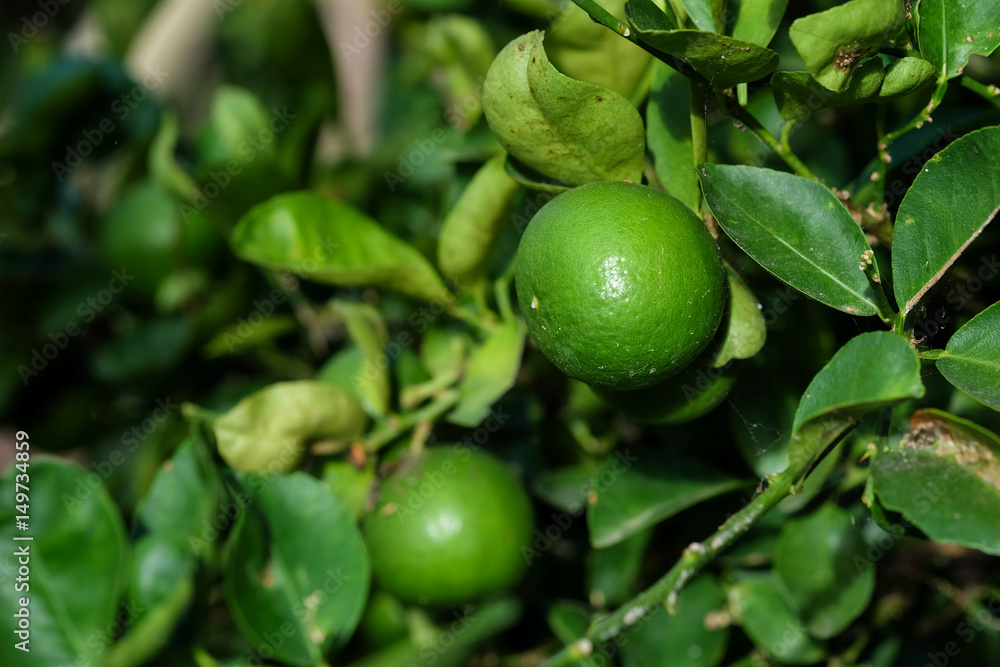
333, 243
952, 199
184, 496
295, 560
241, 337
949, 32
78, 560
470, 231
905, 76
367, 330
568, 130
612, 572
743, 331
815, 561
942, 496
971, 360
633, 493
491, 372
568, 620
682, 639
757, 601
796, 229
757, 20
268, 431
873, 370
833, 43
160, 590
668, 131
646, 15
567, 487
701, 14
724, 61
799, 95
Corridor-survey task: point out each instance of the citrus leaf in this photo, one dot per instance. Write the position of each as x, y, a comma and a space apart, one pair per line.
834, 42
724, 61
758, 603
905, 76
632, 494
815, 563
702, 14
268, 430
949, 32
796, 229
295, 559
646, 15
491, 372
668, 132
77, 557
612, 572
940, 496
333, 243
585, 50
952, 199
971, 360
756, 20
681, 639
470, 231
872, 370
743, 331
565, 129
367, 330
184, 495
161, 588
798, 95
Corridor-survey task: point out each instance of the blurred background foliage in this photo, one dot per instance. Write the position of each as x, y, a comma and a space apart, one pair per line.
134, 133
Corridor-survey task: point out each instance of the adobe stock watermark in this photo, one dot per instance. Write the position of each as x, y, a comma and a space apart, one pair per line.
985, 617
562, 521
248, 149
123, 105
88, 309
33, 23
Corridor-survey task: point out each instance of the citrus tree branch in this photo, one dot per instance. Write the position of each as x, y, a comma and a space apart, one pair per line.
783, 151
696, 556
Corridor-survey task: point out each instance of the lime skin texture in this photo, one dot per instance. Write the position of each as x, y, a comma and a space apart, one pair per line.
621, 285
449, 528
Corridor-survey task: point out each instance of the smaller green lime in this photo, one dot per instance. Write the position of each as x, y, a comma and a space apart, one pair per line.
449, 528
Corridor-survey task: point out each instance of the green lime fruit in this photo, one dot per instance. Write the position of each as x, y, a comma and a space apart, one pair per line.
146, 235
692, 393
621, 285
449, 528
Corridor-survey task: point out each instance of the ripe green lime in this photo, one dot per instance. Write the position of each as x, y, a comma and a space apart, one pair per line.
621, 285
449, 528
